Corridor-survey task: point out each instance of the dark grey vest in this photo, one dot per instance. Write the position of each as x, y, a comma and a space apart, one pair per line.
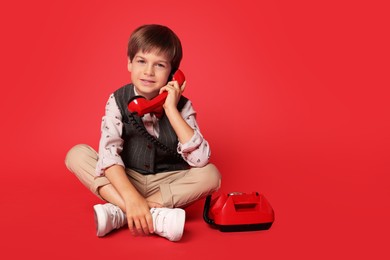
141, 151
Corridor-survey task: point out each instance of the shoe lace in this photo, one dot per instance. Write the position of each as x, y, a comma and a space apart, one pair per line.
117, 218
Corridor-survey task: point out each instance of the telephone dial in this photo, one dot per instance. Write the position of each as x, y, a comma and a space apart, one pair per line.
142, 106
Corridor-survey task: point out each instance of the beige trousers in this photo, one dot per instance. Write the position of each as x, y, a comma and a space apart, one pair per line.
177, 188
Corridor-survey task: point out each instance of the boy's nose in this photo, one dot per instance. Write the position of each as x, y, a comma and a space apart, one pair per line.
149, 70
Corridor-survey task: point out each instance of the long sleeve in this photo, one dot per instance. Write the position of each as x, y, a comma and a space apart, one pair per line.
111, 143
197, 150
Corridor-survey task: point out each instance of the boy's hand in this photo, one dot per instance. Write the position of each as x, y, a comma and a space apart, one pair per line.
183, 131
139, 218
174, 93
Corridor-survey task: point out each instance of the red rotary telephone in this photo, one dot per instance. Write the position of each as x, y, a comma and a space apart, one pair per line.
238, 211
142, 106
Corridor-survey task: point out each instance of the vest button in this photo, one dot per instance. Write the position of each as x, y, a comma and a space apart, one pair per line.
149, 146
147, 166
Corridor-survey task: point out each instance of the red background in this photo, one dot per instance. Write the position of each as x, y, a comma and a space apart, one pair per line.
292, 96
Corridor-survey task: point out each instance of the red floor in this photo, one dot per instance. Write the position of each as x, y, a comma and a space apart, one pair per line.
49, 215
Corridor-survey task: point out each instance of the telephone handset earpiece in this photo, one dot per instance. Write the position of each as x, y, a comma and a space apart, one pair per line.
142, 106
179, 77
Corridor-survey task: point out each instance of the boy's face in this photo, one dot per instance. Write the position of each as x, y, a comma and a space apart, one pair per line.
149, 72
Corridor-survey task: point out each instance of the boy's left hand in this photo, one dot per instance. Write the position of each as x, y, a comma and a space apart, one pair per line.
174, 93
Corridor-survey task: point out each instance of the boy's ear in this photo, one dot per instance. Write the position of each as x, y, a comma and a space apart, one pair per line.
129, 64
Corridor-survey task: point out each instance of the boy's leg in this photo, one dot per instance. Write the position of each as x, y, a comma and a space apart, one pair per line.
81, 160
173, 189
181, 188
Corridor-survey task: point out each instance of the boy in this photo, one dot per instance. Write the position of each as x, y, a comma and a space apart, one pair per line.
146, 185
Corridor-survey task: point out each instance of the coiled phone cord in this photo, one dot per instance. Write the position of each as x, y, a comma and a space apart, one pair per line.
151, 138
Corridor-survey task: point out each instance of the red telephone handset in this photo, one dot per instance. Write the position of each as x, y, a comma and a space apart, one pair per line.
142, 106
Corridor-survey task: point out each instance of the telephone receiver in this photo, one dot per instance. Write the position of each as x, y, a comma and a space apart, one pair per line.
142, 106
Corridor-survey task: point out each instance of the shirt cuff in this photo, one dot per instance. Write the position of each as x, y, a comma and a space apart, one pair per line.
191, 145
106, 161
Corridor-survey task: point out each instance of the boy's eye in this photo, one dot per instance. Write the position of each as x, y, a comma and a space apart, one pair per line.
160, 65
140, 61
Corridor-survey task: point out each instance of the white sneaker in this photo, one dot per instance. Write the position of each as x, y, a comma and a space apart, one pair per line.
108, 217
168, 223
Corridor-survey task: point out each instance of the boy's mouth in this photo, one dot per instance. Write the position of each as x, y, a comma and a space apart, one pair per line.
146, 82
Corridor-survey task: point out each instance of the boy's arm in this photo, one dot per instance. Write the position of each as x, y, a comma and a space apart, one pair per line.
139, 218
183, 131
110, 143
111, 165
192, 146
196, 151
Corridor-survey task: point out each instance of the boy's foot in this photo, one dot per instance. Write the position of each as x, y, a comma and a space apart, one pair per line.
108, 217
168, 223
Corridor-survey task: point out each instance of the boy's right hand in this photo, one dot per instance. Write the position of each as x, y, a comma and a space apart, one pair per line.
139, 218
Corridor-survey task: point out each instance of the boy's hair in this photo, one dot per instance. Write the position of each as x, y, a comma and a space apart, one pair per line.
154, 36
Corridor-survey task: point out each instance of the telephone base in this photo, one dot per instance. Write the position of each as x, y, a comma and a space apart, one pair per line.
238, 211
245, 227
